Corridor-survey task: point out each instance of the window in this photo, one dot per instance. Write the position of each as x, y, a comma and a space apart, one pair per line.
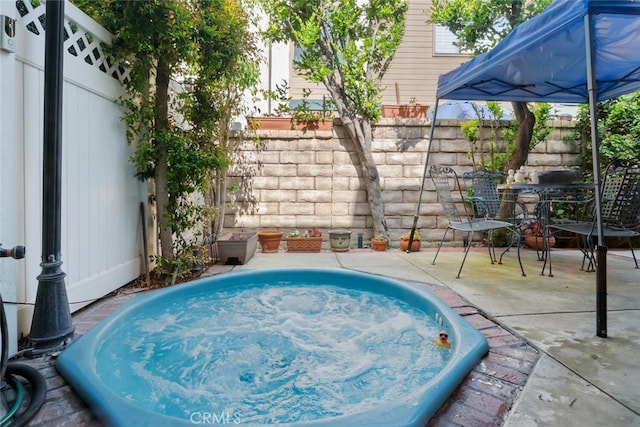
444, 42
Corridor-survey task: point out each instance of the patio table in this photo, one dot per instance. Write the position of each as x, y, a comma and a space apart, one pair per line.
571, 195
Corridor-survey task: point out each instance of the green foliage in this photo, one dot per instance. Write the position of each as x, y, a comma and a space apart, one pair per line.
619, 128
160, 40
495, 152
541, 129
304, 112
180, 266
346, 45
280, 96
479, 24
416, 235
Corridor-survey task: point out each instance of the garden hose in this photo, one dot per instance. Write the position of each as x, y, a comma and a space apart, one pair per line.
16, 404
38, 392
9, 371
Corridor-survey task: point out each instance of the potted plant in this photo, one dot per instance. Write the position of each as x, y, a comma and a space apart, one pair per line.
339, 240
270, 240
306, 118
307, 241
379, 243
281, 118
237, 248
533, 236
413, 110
415, 243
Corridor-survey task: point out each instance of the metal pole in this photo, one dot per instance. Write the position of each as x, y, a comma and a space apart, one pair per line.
424, 177
601, 258
51, 326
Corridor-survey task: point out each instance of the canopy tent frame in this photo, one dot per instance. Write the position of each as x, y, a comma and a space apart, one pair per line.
553, 41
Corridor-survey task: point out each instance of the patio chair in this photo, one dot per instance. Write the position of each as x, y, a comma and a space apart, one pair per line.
450, 195
487, 201
620, 204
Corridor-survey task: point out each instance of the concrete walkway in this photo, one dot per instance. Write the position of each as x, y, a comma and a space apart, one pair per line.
577, 379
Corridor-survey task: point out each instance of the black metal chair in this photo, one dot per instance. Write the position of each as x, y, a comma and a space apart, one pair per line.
450, 195
620, 204
489, 202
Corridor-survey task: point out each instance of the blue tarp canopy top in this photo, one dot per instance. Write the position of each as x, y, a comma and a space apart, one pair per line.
544, 59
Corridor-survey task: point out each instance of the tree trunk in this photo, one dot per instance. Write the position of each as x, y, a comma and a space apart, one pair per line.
526, 122
161, 120
220, 201
361, 134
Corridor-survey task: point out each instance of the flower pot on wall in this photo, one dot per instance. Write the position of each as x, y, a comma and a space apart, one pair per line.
339, 240
269, 240
270, 123
412, 111
320, 124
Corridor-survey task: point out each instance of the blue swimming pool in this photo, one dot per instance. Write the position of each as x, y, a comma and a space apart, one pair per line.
289, 347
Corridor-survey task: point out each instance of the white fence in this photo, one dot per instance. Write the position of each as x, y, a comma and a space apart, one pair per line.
101, 221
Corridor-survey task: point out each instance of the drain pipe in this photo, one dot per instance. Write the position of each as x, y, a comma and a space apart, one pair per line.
51, 327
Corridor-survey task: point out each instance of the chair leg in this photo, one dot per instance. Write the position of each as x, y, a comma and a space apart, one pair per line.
439, 246
546, 256
633, 254
466, 252
491, 247
515, 240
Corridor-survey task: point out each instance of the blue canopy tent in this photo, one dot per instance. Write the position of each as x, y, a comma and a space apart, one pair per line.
575, 51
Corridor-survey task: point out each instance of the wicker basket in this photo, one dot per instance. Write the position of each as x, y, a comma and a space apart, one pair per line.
304, 244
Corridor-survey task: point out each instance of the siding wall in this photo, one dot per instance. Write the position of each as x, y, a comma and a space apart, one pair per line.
415, 66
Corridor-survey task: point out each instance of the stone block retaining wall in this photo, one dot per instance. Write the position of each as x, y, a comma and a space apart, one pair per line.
302, 179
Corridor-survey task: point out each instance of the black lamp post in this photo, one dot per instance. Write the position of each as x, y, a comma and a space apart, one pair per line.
51, 326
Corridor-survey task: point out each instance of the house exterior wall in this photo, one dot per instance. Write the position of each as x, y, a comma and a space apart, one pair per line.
299, 180
415, 67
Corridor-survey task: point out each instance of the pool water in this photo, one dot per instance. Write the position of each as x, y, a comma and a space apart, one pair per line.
293, 347
278, 353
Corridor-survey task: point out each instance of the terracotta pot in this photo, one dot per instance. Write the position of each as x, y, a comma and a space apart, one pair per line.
536, 242
413, 111
304, 244
404, 244
271, 123
379, 245
320, 124
269, 240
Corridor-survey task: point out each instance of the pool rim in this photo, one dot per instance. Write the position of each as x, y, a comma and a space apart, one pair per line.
76, 363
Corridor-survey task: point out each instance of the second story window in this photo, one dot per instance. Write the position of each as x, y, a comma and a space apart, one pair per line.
444, 42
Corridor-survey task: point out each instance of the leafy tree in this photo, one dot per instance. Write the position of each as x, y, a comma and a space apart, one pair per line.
226, 93
481, 24
347, 46
161, 40
619, 127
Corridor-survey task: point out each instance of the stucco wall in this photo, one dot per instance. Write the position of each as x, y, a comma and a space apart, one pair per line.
297, 180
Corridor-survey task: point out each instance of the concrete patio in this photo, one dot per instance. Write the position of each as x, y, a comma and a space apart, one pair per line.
578, 380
